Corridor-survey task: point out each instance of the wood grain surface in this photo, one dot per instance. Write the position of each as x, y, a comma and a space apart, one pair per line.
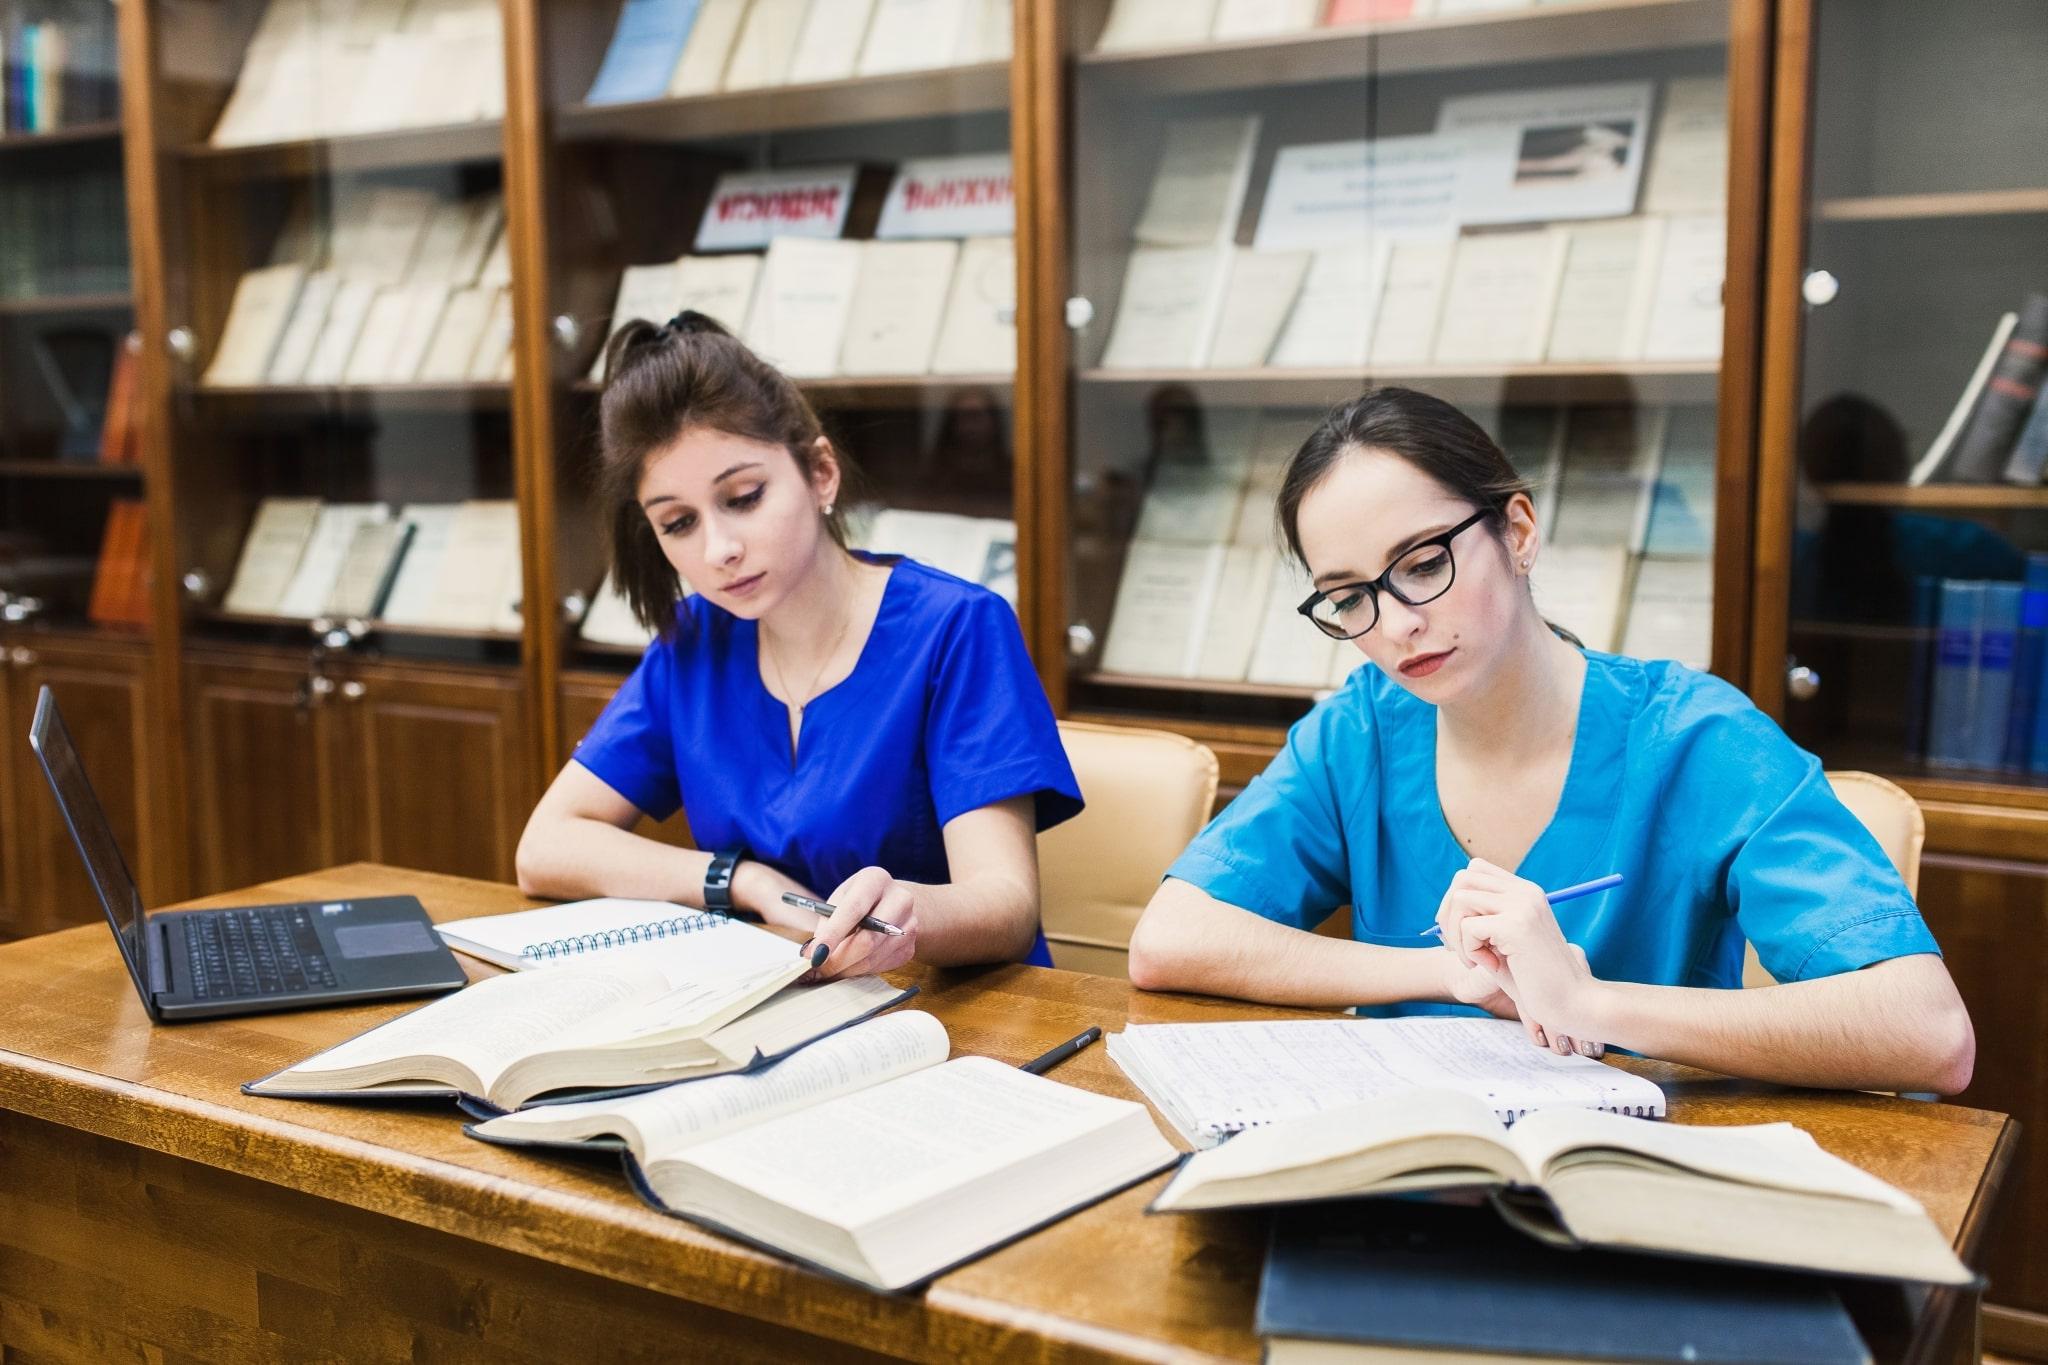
303, 1213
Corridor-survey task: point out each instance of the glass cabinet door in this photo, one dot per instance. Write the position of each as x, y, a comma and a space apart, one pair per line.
832, 183
1518, 207
71, 516
1919, 534
338, 291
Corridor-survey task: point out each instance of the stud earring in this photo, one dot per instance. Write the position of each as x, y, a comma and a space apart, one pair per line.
828, 509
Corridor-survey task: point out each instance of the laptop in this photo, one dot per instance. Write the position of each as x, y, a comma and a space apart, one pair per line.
191, 964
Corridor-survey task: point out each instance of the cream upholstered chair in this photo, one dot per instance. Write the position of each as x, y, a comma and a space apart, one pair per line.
1148, 793
1893, 818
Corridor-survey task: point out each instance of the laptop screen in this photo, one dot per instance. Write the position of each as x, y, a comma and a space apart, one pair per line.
91, 832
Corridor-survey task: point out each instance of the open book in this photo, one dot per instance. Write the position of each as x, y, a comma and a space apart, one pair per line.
619, 1024
1213, 1080
954, 1158
1765, 1194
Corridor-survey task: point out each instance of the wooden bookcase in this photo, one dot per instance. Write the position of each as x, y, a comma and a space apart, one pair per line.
261, 762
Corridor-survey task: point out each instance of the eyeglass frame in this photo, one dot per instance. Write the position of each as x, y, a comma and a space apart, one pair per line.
1384, 583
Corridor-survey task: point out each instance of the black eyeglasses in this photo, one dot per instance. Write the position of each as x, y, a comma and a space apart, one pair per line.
1421, 573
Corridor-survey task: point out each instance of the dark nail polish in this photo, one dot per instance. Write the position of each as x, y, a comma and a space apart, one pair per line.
819, 953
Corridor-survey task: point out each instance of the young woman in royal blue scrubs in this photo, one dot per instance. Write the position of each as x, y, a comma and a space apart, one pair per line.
866, 730
1478, 740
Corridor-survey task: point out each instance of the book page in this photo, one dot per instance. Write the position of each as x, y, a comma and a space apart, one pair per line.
893, 323
702, 64
761, 55
313, 581
488, 1024
979, 335
912, 35
1215, 1079
1259, 18
918, 1136
257, 318
1232, 627
456, 336
365, 573
1166, 313
685, 945
830, 41
1135, 25
646, 293
1263, 286
483, 544
346, 314
800, 312
1411, 302
419, 570
1778, 1155
1331, 323
371, 362
1685, 312
302, 332
1688, 171
720, 287
1198, 189
694, 1006
1155, 628
1604, 297
1501, 297
663, 1123
270, 554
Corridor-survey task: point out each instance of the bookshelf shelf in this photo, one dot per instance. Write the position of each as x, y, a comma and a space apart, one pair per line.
882, 391
1648, 382
481, 394
947, 92
1572, 31
51, 304
1894, 208
389, 149
78, 470
1859, 630
77, 135
252, 621
1950, 496
1201, 685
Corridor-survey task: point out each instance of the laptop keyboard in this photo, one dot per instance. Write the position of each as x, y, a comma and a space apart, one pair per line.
272, 950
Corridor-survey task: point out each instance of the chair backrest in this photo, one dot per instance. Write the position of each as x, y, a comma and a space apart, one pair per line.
1148, 793
1893, 818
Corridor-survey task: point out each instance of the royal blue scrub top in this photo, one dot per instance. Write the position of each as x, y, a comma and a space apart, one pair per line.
942, 714
1723, 827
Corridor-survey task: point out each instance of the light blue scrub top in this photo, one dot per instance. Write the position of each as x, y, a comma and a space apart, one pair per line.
1724, 828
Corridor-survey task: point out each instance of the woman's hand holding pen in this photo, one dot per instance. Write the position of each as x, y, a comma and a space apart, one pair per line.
854, 951
1503, 924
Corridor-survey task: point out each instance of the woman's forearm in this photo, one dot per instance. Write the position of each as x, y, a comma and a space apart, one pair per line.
1898, 1025
989, 917
1188, 941
572, 857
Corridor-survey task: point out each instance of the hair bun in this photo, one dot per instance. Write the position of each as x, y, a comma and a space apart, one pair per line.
690, 322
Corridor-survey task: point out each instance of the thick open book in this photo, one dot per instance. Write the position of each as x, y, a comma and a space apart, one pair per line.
618, 1024
1766, 1194
952, 1158
1213, 1080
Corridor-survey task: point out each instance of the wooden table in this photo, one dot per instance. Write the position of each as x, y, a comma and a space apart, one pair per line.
150, 1210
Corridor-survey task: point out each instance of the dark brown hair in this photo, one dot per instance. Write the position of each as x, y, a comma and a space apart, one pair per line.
659, 381
1435, 437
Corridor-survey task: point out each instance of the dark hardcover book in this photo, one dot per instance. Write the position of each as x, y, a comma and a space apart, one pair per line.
2009, 395
1920, 685
2029, 462
1384, 1280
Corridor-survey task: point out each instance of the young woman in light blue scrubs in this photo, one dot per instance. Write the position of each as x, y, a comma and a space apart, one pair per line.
1481, 758
866, 728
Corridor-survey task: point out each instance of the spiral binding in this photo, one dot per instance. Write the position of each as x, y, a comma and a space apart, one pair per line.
1221, 1131
619, 938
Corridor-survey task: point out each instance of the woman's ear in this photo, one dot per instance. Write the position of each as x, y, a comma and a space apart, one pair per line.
824, 471
1521, 534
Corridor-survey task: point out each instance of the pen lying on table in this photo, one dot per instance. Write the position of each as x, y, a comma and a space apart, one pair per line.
1569, 893
880, 926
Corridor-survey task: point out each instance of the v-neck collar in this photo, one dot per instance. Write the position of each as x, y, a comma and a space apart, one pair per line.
776, 711
1575, 781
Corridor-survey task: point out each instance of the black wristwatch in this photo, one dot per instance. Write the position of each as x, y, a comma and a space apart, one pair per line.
718, 881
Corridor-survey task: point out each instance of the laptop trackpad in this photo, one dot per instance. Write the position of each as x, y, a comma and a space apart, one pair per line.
390, 938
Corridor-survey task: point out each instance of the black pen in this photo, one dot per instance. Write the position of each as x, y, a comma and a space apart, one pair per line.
880, 926
1038, 1066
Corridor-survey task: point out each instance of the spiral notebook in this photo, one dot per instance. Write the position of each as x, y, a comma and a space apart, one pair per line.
1214, 1080
660, 933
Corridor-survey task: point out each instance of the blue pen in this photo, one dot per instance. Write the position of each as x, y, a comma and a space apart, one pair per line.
1570, 893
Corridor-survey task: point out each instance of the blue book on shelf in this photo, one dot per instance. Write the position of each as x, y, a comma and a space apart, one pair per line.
1412, 1278
645, 48
2028, 663
1997, 640
1955, 673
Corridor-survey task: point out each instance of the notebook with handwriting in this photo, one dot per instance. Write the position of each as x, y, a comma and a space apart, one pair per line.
1213, 1080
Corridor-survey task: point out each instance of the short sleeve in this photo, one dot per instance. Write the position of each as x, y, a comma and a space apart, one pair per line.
1809, 885
1278, 850
989, 731
630, 748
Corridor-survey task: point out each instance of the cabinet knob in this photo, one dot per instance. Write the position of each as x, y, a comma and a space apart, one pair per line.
1080, 312
198, 585
1820, 287
20, 608
568, 334
1080, 639
574, 606
22, 658
181, 343
1801, 682
353, 690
